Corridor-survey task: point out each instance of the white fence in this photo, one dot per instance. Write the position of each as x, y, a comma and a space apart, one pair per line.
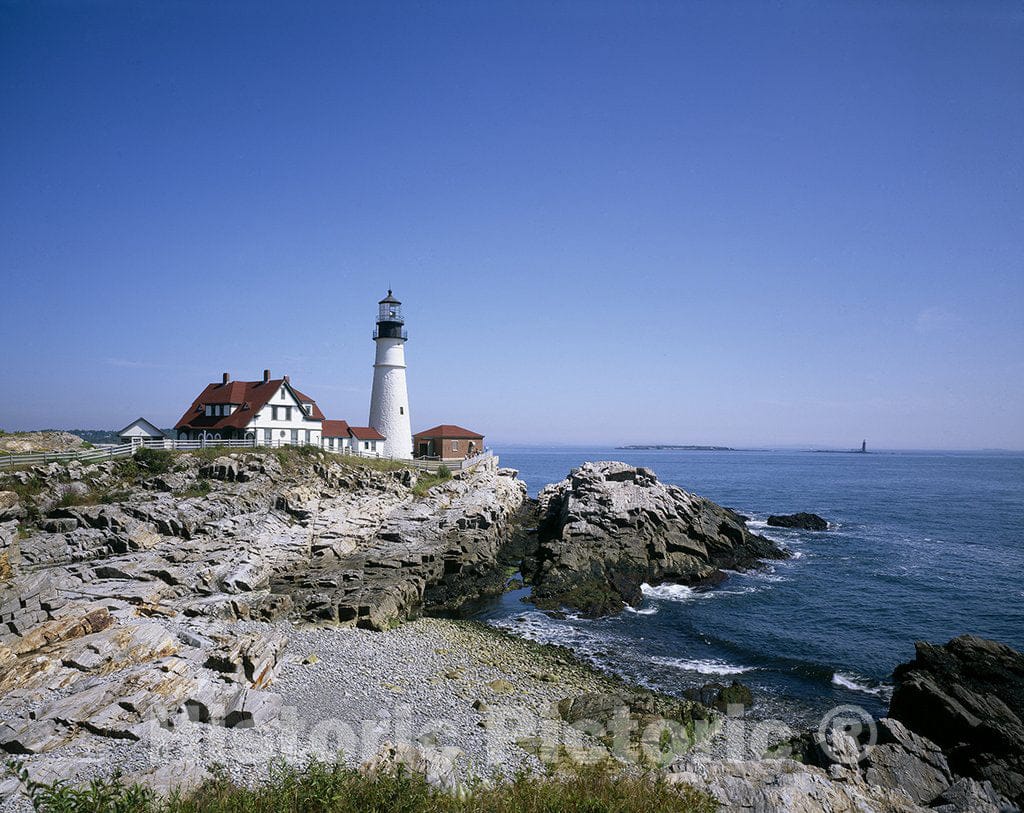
125, 449
85, 455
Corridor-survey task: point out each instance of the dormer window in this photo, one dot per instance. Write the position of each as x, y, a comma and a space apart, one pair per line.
209, 411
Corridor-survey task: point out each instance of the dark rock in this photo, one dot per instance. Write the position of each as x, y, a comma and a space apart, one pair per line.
734, 695
722, 697
610, 527
969, 795
635, 722
803, 521
968, 697
903, 759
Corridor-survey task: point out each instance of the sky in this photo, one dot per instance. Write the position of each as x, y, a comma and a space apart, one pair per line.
736, 223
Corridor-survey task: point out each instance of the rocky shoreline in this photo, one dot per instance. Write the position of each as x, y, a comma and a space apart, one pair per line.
167, 612
609, 528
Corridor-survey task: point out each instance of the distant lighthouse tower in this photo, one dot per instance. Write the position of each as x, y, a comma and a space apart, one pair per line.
389, 401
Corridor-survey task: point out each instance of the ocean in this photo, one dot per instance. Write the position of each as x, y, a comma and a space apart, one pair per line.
924, 546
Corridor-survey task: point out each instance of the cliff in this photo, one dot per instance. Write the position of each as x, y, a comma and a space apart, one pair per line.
119, 581
610, 527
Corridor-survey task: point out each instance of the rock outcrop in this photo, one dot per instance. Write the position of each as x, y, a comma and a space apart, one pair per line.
803, 521
46, 441
609, 527
376, 579
968, 697
901, 771
785, 786
121, 582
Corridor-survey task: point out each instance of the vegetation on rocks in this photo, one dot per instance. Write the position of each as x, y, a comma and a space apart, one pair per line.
324, 788
591, 598
425, 482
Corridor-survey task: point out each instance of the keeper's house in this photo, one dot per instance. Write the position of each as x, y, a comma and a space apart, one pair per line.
447, 442
340, 437
273, 413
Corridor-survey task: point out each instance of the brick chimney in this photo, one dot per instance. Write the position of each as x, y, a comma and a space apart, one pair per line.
227, 378
266, 376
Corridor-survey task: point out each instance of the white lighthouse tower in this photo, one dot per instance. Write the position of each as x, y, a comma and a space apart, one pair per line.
389, 400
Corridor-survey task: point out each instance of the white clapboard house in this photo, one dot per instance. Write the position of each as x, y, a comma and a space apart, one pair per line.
273, 413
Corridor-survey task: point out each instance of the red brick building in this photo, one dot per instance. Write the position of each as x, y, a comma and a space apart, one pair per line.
447, 442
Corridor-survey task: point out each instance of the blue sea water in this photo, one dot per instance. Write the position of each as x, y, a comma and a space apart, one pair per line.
925, 546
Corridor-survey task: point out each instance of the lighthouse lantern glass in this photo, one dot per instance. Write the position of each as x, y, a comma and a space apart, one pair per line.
390, 312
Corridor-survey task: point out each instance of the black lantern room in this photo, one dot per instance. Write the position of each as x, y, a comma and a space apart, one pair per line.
389, 319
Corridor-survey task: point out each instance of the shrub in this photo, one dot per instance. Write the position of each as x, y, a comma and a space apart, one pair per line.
200, 489
428, 481
324, 788
70, 497
153, 461
105, 795
27, 490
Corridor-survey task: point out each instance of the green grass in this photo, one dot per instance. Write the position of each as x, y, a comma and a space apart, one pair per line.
27, 490
375, 463
152, 461
323, 788
425, 482
200, 489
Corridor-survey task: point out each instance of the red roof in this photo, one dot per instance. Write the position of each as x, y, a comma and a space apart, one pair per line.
365, 433
335, 429
448, 430
249, 396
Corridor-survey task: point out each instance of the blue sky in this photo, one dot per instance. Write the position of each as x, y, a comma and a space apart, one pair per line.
737, 223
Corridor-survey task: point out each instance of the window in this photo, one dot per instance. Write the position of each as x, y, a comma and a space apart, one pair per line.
401, 410
288, 413
366, 444
283, 393
267, 436
307, 436
209, 411
455, 445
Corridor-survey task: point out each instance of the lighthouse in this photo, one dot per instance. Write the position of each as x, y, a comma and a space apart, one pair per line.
389, 400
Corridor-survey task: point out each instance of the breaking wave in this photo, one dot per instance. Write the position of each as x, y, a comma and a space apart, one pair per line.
703, 666
857, 684
671, 592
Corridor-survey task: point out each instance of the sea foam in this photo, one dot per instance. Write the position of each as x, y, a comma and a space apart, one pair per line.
857, 684
672, 592
703, 666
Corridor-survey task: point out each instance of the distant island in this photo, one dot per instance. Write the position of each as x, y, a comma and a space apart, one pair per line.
671, 447
862, 450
